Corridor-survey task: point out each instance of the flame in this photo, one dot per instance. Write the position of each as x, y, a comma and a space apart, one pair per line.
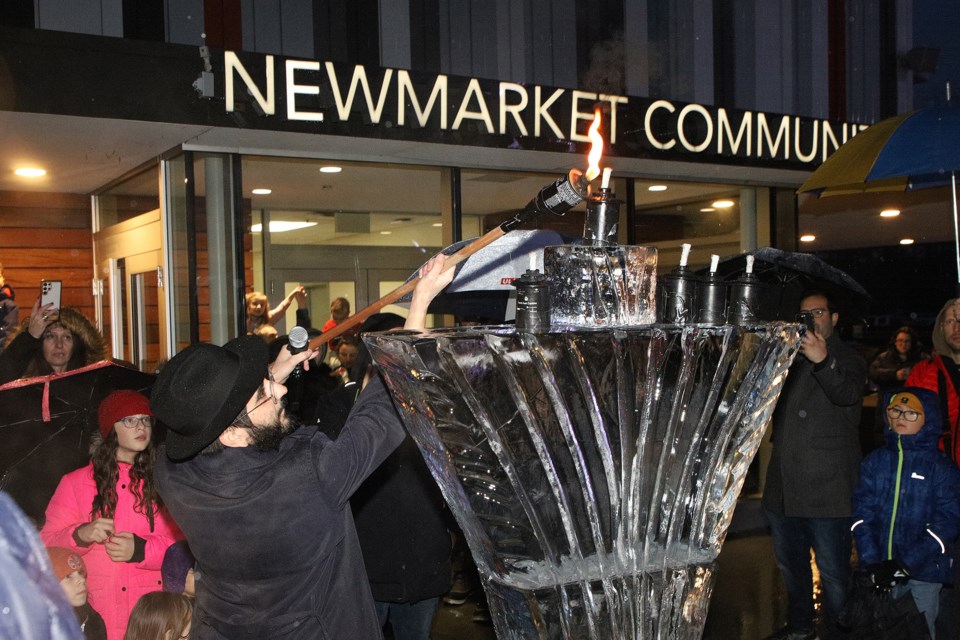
596, 150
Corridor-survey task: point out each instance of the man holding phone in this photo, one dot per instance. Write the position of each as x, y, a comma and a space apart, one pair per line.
808, 495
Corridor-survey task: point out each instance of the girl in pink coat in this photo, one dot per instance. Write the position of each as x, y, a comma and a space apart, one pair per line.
109, 512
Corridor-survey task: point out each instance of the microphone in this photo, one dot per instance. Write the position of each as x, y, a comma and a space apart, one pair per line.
297, 343
297, 340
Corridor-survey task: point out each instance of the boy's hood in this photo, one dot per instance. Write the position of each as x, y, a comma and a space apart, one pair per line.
929, 435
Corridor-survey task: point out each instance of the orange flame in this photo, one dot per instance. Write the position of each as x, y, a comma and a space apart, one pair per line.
596, 150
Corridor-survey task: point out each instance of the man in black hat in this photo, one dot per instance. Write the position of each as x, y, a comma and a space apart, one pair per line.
264, 504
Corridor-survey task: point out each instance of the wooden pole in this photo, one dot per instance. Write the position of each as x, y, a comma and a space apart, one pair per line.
557, 198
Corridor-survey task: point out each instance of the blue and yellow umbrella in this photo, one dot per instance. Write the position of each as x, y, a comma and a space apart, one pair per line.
914, 150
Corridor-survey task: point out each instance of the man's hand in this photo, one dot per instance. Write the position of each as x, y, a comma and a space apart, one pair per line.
283, 366
813, 347
120, 546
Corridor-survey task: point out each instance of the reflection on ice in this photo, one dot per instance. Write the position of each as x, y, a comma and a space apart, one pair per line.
593, 472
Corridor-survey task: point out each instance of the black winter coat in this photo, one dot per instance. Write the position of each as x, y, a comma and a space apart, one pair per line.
273, 534
816, 446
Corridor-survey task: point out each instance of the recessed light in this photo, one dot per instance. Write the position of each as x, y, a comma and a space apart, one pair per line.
657, 187
809, 237
437, 224
262, 192
890, 213
331, 169
30, 172
279, 226
386, 233
906, 241
707, 209
723, 204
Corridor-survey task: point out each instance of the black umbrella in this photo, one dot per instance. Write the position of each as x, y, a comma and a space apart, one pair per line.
787, 275
873, 612
46, 424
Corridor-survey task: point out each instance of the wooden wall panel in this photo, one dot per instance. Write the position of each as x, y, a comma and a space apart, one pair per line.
47, 235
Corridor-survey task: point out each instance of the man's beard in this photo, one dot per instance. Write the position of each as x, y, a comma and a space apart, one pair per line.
267, 437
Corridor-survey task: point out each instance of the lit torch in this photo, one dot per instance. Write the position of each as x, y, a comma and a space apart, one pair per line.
556, 199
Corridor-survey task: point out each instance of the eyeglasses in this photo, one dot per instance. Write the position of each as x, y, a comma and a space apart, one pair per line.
908, 414
131, 422
270, 396
816, 313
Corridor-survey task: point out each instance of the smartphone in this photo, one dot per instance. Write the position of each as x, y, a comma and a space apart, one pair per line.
807, 319
50, 293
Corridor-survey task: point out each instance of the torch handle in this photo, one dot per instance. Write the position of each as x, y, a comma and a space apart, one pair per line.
405, 288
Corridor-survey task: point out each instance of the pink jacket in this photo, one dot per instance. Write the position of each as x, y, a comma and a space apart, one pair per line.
114, 587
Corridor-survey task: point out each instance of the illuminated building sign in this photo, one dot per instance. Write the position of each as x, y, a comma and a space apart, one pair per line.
325, 97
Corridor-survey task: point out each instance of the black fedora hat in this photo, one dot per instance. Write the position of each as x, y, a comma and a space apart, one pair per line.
203, 388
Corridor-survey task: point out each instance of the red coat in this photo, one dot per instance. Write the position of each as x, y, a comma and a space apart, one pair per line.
928, 374
113, 587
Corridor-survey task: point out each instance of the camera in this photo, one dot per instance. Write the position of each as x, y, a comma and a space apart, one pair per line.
806, 318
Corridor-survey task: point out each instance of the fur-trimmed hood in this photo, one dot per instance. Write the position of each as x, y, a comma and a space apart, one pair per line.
71, 319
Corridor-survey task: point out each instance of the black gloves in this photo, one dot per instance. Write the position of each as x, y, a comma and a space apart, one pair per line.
888, 573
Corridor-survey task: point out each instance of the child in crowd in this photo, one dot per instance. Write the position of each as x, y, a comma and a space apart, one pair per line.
70, 571
110, 513
907, 505
179, 575
161, 615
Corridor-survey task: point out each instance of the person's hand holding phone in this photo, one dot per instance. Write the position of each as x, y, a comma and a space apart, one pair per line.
40, 317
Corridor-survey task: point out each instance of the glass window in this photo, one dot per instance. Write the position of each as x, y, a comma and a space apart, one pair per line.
341, 229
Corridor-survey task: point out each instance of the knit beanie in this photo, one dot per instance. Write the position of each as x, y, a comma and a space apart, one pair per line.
65, 562
120, 404
177, 562
908, 399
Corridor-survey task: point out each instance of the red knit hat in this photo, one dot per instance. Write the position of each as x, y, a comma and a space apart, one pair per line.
65, 562
120, 404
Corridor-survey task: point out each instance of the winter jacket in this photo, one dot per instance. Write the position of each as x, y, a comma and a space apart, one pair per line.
816, 444
23, 357
939, 374
91, 623
113, 587
272, 531
907, 505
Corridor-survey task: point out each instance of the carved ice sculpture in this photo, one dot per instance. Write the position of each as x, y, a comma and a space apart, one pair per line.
594, 472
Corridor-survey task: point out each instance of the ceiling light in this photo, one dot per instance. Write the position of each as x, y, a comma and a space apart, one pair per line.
30, 172
906, 241
723, 204
707, 210
657, 187
279, 226
386, 233
437, 224
331, 169
890, 213
809, 237
262, 192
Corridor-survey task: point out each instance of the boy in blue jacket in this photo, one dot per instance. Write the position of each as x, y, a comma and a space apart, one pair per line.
907, 505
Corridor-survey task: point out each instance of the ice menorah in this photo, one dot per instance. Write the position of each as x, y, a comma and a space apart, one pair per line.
593, 465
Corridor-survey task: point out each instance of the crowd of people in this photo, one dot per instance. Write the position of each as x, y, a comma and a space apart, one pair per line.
900, 504
200, 533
